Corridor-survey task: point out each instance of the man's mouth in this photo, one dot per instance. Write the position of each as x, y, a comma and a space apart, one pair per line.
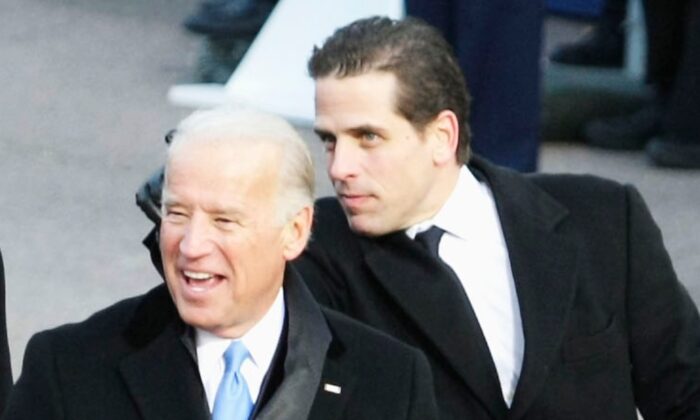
353, 200
200, 281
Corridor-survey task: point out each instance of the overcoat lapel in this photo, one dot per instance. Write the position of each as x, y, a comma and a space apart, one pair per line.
422, 289
544, 270
163, 379
307, 345
544, 265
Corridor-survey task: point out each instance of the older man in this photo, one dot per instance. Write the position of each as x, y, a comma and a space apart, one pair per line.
235, 333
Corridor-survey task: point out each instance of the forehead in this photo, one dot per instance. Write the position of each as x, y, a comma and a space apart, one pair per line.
361, 94
380, 85
221, 168
368, 100
217, 149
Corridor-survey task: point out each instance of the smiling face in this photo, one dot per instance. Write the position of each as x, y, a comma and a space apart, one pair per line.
386, 174
224, 248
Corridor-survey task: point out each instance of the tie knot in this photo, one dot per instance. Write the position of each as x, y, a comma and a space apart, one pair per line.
234, 356
430, 239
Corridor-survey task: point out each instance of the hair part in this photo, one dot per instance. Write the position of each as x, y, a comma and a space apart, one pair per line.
428, 74
235, 125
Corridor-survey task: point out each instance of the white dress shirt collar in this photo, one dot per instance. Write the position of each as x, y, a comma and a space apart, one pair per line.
261, 341
467, 198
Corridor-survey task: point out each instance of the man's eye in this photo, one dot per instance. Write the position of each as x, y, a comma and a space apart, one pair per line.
227, 223
175, 214
369, 136
370, 139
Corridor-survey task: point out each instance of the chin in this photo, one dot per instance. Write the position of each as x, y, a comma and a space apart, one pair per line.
196, 317
366, 226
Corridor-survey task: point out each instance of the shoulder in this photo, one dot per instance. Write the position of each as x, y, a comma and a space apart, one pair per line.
575, 192
576, 186
591, 198
558, 184
123, 324
585, 204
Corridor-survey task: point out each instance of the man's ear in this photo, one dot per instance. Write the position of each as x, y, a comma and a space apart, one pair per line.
296, 233
444, 130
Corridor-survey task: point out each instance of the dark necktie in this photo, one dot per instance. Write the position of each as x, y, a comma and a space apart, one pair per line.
476, 344
430, 240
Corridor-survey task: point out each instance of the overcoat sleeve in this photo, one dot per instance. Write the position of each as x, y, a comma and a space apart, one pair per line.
664, 327
36, 395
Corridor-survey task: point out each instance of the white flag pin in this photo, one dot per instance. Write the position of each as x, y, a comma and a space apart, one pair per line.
335, 389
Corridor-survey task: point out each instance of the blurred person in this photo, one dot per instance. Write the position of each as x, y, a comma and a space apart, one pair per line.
533, 297
229, 18
5, 368
497, 44
603, 45
674, 66
234, 333
668, 127
228, 27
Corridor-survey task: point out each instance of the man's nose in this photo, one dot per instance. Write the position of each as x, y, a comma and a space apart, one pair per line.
197, 240
343, 161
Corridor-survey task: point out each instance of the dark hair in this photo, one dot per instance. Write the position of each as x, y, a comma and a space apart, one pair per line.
428, 75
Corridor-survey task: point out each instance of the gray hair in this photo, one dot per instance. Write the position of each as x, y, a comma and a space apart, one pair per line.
296, 171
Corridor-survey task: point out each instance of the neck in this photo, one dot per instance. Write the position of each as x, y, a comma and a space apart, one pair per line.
443, 186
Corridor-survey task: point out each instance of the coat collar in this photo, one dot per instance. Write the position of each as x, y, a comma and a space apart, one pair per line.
161, 373
421, 287
308, 340
543, 263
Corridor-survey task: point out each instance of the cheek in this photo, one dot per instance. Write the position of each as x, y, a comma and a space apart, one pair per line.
394, 173
382, 166
169, 241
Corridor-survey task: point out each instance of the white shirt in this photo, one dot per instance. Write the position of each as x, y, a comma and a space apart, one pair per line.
474, 247
261, 341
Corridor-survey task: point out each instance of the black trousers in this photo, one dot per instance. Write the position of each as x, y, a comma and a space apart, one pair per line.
673, 37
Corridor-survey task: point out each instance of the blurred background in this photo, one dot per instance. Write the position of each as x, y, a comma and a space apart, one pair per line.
83, 111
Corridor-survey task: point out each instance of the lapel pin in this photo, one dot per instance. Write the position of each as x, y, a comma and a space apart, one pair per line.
335, 389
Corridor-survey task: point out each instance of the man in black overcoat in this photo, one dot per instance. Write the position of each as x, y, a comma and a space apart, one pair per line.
238, 206
533, 297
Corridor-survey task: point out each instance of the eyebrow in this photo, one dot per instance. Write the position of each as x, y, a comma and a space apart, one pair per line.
366, 128
231, 210
360, 129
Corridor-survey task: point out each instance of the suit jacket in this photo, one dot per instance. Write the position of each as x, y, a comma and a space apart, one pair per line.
607, 326
136, 360
5, 368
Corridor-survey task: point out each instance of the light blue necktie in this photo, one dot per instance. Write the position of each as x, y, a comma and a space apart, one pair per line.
232, 398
